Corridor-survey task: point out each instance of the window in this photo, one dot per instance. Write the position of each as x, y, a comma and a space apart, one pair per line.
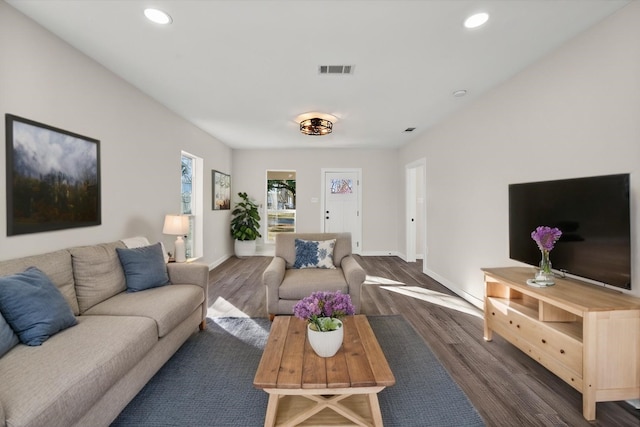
191, 195
281, 203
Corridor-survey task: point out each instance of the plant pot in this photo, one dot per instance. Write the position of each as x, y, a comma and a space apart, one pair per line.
325, 344
245, 248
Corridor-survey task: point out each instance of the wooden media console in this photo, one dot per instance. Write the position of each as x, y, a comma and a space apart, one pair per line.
589, 336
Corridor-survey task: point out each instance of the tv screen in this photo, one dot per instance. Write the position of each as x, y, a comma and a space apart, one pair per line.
594, 217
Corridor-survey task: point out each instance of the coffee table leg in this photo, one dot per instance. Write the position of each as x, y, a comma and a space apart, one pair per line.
272, 410
376, 415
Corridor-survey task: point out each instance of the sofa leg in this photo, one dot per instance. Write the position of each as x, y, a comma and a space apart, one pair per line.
271, 317
203, 325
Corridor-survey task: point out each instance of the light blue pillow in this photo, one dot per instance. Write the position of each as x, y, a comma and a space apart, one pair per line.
33, 306
144, 267
314, 254
8, 338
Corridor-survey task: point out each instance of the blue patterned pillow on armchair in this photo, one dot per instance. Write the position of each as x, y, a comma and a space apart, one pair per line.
314, 254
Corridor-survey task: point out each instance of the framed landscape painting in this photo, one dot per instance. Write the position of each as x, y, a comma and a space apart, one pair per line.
221, 199
53, 178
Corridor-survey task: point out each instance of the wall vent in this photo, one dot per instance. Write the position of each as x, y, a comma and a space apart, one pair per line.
335, 69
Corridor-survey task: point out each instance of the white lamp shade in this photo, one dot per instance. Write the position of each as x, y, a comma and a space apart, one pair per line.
176, 225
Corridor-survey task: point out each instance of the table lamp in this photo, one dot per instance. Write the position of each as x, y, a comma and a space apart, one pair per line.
177, 225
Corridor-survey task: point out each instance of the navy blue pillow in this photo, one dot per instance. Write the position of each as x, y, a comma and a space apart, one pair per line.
8, 338
33, 306
144, 267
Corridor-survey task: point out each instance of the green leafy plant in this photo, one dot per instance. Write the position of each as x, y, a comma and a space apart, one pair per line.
246, 219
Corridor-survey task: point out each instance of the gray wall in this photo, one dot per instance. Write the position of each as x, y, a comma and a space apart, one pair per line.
44, 79
574, 113
380, 187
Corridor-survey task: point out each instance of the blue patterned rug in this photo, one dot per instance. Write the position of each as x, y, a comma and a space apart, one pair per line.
209, 381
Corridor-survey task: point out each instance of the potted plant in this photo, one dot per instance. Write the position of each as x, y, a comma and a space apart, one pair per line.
244, 226
322, 311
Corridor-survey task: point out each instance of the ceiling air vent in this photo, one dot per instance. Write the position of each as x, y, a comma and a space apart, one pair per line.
336, 69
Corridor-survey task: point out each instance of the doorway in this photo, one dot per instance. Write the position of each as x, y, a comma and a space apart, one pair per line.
281, 203
342, 204
415, 222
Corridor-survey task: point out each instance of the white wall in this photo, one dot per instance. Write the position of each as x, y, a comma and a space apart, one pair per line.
381, 187
575, 113
44, 79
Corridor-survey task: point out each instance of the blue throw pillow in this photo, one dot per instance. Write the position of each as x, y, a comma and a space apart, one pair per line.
8, 338
33, 306
314, 254
144, 267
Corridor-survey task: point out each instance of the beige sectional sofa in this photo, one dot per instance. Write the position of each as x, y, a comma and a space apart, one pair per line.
86, 374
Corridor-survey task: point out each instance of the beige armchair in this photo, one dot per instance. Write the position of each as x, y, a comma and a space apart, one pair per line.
286, 285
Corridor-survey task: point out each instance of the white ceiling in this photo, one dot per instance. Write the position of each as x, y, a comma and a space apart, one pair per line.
243, 70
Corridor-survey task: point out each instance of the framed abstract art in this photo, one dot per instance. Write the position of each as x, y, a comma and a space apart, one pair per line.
53, 178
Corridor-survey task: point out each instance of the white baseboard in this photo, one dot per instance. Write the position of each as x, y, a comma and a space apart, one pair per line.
479, 303
219, 261
381, 253
454, 288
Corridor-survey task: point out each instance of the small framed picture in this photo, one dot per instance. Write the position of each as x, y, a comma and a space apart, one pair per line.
221, 198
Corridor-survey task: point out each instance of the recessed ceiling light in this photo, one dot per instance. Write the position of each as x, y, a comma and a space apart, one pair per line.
459, 93
158, 16
477, 20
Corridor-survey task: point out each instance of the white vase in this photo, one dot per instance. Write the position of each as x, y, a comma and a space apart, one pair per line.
325, 344
245, 248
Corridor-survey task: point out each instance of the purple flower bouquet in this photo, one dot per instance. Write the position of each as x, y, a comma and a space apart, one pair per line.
322, 307
546, 238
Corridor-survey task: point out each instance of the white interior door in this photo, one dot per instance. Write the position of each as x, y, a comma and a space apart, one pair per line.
411, 215
341, 204
416, 232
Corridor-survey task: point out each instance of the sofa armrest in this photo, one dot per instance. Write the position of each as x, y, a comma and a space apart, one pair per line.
272, 278
191, 273
355, 276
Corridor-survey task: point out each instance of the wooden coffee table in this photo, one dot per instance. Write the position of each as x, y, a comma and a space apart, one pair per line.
305, 389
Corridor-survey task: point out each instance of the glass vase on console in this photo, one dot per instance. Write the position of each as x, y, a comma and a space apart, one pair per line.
545, 274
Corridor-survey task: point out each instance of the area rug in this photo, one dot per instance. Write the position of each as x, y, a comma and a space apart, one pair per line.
209, 381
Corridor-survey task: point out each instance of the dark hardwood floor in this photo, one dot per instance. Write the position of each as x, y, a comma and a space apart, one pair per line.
507, 387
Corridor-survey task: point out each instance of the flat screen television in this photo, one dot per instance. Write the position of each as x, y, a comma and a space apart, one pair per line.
594, 216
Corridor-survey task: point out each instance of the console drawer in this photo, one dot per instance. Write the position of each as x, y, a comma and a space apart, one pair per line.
539, 339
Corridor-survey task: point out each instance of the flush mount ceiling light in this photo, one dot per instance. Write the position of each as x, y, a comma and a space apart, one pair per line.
477, 20
316, 126
158, 16
459, 93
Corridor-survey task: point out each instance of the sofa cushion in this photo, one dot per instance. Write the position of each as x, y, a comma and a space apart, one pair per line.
56, 265
33, 306
314, 253
168, 306
8, 338
57, 383
298, 284
98, 273
144, 267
